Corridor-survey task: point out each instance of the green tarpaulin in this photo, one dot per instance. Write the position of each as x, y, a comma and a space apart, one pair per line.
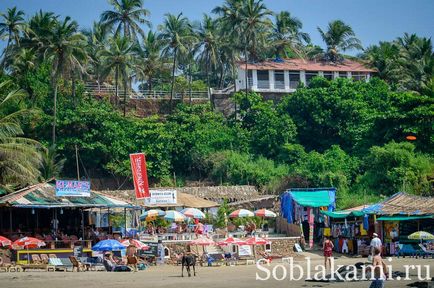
312, 199
403, 217
337, 214
342, 214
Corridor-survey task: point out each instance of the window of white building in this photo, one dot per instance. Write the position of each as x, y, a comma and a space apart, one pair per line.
263, 79
279, 79
310, 75
342, 74
294, 79
358, 76
328, 75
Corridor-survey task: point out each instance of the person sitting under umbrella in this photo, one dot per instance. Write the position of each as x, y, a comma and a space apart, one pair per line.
111, 266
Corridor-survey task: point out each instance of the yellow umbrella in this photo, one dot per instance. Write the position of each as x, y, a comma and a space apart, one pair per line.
421, 235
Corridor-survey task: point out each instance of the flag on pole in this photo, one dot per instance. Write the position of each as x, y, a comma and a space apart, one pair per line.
140, 177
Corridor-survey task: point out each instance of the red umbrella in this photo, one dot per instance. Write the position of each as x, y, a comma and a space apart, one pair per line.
202, 241
5, 241
232, 240
136, 243
256, 241
28, 243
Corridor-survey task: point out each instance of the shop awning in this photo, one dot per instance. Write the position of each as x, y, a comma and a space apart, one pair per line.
43, 196
336, 214
318, 198
342, 214
404, 218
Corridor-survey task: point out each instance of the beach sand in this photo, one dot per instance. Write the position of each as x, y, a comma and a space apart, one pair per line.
208, 277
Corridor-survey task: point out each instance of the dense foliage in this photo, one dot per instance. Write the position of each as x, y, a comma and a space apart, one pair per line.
350, 135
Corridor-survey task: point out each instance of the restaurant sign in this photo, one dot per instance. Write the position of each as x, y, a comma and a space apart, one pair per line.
161, 197
72, 188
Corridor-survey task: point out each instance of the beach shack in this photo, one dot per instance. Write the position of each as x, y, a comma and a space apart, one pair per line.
301, 207
61, 221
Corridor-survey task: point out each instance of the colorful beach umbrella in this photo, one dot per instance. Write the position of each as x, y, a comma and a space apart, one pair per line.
108, 245
231, 240
240, 213
256, 241
174, 216
193, 213
153, 213
264, 213
202, 241
421, 235
5, 241
136, 243
27, 243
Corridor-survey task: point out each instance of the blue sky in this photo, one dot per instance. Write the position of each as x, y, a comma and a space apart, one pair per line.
372, 20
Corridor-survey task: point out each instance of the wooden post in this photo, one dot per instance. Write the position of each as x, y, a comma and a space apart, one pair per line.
10, 219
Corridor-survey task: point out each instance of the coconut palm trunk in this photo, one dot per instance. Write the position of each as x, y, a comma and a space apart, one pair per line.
54, 113
246, 72
125, 97
116, 86
173, 77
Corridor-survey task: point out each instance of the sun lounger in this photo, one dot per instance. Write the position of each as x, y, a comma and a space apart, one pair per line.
45, 267
78, 265
36, 259
406, 250
44, 258
425, 252
94, 263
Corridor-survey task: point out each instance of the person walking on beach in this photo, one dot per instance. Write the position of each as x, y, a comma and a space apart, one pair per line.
328, 252
380, 270
375, 243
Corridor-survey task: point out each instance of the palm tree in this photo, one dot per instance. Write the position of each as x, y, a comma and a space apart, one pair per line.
126, 16
339, 37
176, 35
11, 27
51, 164
149, 62
207, 47
254, 22
286, 35
96, 39
65, 49
118, 57
382, 57
415, 64
19, 156
38, 32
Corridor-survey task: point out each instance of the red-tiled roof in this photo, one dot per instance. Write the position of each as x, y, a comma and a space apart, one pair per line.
307, 65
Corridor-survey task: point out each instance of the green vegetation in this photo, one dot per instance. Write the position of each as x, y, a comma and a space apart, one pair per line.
351, 135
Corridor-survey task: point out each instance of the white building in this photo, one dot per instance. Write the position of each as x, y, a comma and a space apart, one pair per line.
283, 76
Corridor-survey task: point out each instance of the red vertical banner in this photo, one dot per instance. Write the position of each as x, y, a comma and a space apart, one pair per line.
140, 176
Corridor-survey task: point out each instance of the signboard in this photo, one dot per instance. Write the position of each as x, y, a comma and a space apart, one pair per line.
162, 197
152, 242
140, 176
72, 188
244, 250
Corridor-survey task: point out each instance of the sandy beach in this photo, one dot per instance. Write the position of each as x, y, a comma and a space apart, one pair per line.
170, 276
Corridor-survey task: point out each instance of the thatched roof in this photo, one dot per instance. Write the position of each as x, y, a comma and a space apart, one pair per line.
219, 193
183, 199
43, 195
402, 203
264, 201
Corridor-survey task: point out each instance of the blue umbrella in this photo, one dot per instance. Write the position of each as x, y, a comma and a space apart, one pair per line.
108, 245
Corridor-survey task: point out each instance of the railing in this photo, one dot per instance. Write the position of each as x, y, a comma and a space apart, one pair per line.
104, 90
